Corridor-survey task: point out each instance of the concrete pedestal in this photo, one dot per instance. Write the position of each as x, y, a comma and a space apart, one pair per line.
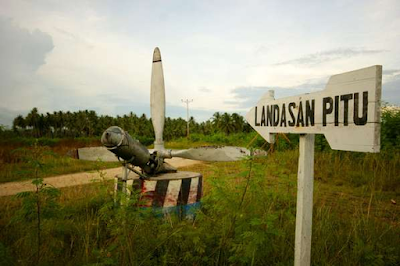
178, 193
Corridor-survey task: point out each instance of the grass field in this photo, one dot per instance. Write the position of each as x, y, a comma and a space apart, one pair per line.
18, 155
19, 158
247, 218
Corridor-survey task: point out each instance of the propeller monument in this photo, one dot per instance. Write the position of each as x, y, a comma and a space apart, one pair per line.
152, 163
160, 183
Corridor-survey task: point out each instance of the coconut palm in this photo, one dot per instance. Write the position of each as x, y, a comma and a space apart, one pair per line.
32, 121
216, 121
238, 122
19, 124
227, 125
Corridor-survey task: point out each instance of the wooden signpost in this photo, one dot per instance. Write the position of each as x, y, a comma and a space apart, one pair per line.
347, 112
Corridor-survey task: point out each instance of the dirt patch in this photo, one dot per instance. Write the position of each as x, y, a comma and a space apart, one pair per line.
13, 188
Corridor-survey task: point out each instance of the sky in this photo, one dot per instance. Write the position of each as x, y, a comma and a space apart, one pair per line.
97, 55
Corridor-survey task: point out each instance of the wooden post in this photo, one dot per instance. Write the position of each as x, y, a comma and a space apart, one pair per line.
305, 185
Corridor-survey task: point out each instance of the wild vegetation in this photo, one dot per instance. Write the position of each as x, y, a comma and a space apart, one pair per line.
247, 218
247, 215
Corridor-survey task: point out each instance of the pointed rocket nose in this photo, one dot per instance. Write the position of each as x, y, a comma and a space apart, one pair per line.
156, 55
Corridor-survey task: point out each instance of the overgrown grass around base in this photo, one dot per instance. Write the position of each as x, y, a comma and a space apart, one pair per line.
247, 218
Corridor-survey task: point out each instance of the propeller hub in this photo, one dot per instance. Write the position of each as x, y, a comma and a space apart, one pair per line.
113, 137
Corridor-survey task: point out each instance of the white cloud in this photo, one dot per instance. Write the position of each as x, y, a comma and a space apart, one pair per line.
328, 56
22, 54
102, 51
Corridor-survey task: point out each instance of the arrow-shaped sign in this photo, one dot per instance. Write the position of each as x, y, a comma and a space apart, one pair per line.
347, 112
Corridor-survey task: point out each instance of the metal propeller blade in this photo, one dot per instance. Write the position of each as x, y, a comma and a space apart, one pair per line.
96, 154
157, 99
210, 154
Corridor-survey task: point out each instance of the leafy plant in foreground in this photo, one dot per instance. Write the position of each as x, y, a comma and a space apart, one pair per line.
39, 204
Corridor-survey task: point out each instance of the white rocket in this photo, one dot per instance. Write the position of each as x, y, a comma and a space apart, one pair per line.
157, 100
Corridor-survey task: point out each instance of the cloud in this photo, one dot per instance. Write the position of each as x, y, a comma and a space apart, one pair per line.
245, 97
390, 72
200, 115
329, 55
391, 90
390, 75
21, 50
7, 116
22, 53
101, 56
204, 89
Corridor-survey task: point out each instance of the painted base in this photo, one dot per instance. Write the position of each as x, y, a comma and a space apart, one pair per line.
187, 211
169, 193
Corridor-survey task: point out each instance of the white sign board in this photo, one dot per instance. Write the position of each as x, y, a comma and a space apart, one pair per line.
347, 112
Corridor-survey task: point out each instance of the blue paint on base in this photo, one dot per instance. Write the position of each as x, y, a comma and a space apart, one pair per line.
187, 211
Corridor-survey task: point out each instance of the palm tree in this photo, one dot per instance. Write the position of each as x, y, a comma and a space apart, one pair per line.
50, 124
92, 122
68, 123
206, 127
238, 122
226, 124
32, 120
216, 121
42, 125
19, 124
134, 121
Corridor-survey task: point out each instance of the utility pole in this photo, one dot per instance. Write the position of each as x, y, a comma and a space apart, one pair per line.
187, 101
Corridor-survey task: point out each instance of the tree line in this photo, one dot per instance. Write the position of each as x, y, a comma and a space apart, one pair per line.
88, 123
